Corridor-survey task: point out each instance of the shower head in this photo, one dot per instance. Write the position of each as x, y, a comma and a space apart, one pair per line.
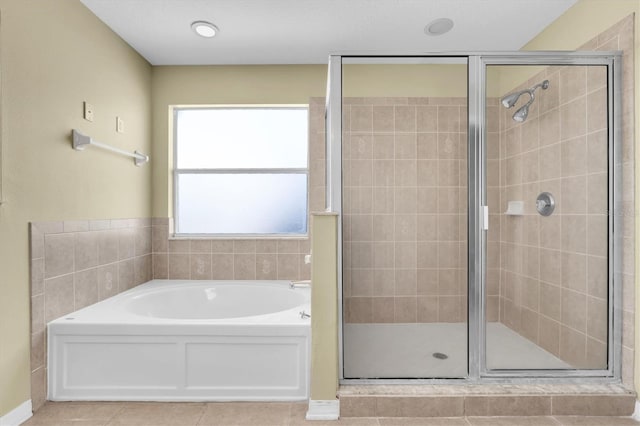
510, 100
521, 113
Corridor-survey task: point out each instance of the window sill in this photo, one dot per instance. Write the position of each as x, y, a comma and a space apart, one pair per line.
237, 237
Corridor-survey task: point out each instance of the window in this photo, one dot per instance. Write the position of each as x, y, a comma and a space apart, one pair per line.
241, 170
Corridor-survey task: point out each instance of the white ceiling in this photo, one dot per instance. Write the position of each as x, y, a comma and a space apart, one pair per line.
306, 31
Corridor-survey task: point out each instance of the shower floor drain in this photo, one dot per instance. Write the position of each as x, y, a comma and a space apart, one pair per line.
440, 355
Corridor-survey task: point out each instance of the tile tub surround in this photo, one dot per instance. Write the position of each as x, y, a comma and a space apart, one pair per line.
232, 259
404, 224
75, 264
551, 271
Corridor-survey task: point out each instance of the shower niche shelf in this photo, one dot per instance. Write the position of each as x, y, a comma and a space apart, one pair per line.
515, 208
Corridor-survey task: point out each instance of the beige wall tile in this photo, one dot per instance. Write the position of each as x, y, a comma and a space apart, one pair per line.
360, 310
550, 301
406, 282
384, 282
361, 146
37, 276
597, 313
383, 146
179, 266
597, 152
85, 250
549, 127
405, 118
126, 240
142, 241
59, 254
200, 266
383, 120
574, 310
573, 116
86, 290
38, 388
38, 350
37, 314
573, 345
574, 271
405, 227
361, 118
596, 354
288, 266
107, 280
221, 246
200, 246
405, 173
107, 247
597, 279
383, 309
405, 146
361, 282
574, 232
266, 266
143, 269
58, 296
126, 275
244, 266
597, 110
427, 118
160, 266
222, 266
405, 309
549, 337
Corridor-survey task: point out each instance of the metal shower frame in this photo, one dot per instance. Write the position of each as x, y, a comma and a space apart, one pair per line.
477, 64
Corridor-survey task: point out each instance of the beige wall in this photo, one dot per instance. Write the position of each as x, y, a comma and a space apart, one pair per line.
55, 55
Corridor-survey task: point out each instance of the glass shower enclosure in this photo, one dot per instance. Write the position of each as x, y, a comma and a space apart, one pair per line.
477, 197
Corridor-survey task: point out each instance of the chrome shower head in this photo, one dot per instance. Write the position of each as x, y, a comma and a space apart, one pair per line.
510, 100
522, 113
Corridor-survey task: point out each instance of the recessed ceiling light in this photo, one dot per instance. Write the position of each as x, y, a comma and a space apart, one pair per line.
204, 29
438, 26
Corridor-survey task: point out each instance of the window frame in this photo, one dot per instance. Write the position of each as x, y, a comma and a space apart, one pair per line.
177, 172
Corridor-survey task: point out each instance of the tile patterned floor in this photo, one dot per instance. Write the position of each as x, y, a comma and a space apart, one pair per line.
263, 414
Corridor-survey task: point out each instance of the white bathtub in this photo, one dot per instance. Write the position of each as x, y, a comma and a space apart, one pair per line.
184, 340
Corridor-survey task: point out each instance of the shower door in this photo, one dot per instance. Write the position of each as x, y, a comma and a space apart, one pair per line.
549, 179
480, 232
404, 217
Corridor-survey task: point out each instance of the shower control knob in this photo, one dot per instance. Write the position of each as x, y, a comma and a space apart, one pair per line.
545, 204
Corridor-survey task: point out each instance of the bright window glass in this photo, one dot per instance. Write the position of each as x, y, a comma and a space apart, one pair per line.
241, 171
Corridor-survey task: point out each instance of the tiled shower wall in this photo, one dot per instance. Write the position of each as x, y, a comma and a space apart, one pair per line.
553, 270
75, 264
404, 224
246, 259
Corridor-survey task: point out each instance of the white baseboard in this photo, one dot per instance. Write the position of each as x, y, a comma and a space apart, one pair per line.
18, 415
636, 411
323, 409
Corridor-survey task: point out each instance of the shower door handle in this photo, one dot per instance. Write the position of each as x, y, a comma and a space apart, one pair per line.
485, 218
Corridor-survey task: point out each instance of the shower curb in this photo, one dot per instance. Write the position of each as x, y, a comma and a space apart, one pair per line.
485, 400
